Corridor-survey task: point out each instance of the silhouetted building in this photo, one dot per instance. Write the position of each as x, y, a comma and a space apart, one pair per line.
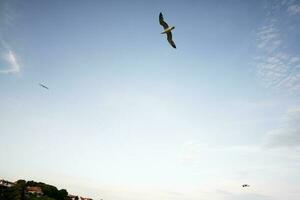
34, 190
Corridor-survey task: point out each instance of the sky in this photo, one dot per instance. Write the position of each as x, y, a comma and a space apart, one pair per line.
128, 117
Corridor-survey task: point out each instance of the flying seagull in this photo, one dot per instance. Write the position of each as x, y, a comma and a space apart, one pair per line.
167, 30
245, 185
43, 86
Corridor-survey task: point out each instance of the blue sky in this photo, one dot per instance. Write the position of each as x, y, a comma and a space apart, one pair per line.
129, 117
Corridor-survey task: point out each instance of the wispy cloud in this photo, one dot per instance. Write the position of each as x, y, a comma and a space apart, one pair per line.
288, 134
294, 9
243, 162
11, 65
269, 37
276, 66
280, 70
7, 13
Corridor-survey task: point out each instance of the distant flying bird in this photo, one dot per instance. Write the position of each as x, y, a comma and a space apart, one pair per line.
245, 185
43, 86
167, 30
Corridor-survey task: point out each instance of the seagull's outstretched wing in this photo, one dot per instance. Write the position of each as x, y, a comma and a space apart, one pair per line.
169, 37
162, 22
43, 86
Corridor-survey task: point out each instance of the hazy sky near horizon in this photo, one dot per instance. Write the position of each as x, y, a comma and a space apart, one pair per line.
128, 117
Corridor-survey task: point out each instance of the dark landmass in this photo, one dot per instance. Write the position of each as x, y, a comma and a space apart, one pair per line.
31, 190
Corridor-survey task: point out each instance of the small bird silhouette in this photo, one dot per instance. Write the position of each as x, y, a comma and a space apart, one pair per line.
167, 30
43, 86
245, 185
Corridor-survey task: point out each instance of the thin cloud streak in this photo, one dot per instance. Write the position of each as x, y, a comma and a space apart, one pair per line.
7, 13
13, 65
9, 63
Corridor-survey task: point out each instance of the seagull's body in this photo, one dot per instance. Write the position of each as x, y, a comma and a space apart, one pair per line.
167, 30
43, 86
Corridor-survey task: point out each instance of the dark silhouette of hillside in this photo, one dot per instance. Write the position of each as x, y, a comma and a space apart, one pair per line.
31, 190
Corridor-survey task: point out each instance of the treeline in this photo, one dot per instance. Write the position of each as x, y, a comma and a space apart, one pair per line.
18, 192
